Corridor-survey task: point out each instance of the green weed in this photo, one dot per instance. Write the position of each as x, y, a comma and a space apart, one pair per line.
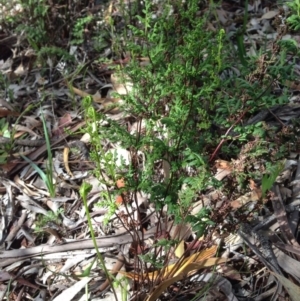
78, 31
294, 19
47, 176
84, 191
51, 216
269, 178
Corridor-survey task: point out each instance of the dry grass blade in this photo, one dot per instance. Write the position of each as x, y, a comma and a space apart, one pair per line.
188, 268
173, 269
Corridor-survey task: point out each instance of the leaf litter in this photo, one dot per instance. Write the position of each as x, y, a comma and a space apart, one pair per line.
57, 260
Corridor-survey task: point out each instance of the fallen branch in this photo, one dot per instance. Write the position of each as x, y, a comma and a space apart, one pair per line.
10, 256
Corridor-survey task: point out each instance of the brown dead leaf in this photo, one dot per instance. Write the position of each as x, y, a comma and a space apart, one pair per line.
62, 123
230, 272
5, 112
96, 97
9, 166
293, 85
253, 186
25, 129
244, 199
109, 103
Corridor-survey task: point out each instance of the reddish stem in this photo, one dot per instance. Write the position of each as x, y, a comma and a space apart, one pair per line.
228, 131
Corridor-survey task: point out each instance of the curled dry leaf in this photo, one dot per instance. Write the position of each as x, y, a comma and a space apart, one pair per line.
96, 98
66, 161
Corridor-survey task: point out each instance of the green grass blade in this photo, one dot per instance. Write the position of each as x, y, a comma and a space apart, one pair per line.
47, 141
37, 169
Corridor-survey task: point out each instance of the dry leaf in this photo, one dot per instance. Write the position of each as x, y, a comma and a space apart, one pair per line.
63, 122
221, 174
244, 199
253, 186
292, 289
180, 231
222, 164
293, 85
69, 293
269, 15
230, 272
224, 168
81, 93
290, 265
179, 251
4, 113
24, 129
121, 85
284, 176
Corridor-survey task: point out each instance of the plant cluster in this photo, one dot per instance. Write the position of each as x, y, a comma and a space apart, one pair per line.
182, 105
173, 96
186, 114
